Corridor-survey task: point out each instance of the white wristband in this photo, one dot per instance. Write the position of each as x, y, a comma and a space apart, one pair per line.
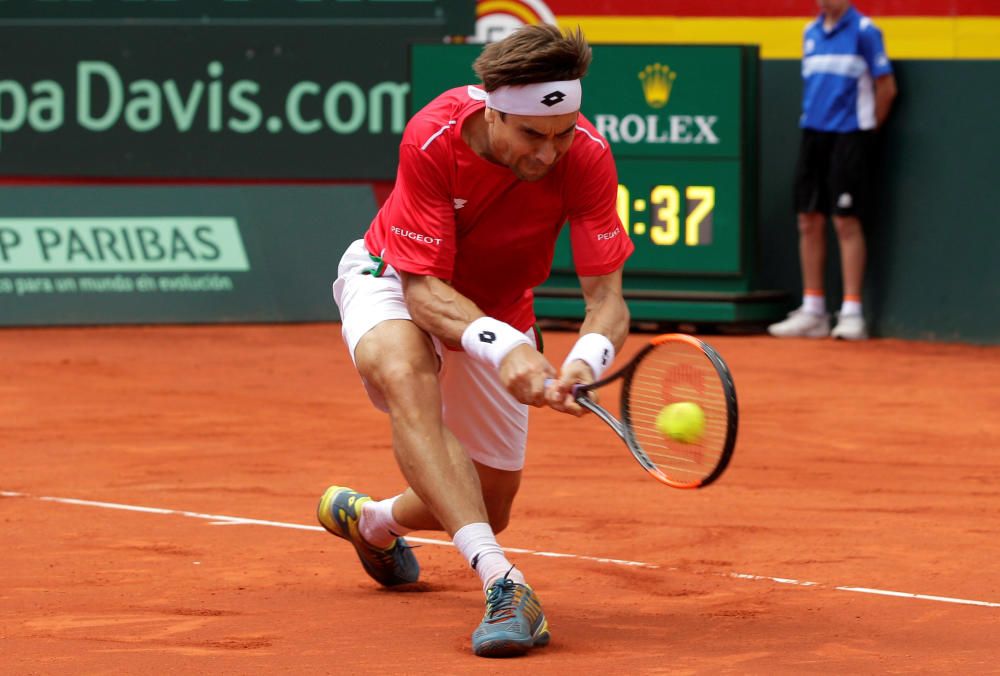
490, 340
594, 349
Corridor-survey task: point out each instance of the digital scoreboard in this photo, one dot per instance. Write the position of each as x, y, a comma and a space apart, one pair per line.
682, 123
674, 118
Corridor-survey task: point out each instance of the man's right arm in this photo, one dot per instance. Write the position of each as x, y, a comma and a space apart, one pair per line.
437, 308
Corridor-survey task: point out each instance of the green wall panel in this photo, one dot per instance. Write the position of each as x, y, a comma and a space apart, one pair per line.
119, 255
934, 242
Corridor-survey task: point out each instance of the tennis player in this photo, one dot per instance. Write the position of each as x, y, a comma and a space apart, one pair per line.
436, 304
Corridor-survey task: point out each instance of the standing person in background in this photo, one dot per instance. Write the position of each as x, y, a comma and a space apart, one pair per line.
437, 310
848, 91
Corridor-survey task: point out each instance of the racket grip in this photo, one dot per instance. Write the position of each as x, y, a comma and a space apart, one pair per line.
576, 388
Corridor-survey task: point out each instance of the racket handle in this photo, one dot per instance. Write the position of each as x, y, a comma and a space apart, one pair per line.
576, 388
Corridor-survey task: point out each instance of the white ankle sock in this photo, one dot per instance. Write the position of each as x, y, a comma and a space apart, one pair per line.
377, 526
814, 304
850, 308
479, 547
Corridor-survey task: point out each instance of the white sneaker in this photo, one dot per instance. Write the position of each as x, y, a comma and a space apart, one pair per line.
802, 324
850, 327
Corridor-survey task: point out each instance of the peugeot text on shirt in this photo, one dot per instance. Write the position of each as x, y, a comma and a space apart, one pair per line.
415, 236
608, 235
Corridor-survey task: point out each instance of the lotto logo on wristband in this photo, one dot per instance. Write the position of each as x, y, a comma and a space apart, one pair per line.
489, 340
604, 358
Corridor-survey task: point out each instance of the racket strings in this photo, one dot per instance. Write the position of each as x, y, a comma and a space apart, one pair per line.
672, 374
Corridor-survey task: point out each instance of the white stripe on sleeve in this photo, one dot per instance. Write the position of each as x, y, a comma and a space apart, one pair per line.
848, 65
436, 134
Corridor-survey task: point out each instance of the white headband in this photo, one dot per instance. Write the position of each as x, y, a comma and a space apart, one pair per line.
540, 98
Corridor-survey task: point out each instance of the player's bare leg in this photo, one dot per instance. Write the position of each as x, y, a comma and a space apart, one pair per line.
498, 490
399, 360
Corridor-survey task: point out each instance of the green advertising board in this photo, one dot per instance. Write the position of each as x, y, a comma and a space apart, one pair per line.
682, 122
112, 255
455, 16
169, 101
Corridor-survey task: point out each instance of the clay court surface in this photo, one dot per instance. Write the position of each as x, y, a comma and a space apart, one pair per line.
857, 530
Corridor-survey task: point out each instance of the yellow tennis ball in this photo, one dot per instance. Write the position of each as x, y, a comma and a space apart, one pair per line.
682, 421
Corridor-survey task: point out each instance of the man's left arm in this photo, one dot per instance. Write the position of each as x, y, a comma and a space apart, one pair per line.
872, 49
606, 312
602, 334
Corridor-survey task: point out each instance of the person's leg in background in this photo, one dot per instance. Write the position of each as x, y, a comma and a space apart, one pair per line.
810, 319
812, 260
850, 171
853, 252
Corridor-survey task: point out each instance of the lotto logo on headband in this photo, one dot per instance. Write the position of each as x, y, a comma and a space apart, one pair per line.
552, 98
540, 98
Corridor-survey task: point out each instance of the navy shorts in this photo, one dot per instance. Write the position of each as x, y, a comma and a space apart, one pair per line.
834, 173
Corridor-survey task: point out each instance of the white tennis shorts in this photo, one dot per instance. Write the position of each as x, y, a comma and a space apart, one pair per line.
490, 424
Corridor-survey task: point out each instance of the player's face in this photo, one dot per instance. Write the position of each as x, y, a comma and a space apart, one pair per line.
530, 145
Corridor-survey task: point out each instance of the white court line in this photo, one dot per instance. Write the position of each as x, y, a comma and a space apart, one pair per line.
865, 590
223, 520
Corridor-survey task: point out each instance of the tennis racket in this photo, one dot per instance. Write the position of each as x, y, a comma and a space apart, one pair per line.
673, 368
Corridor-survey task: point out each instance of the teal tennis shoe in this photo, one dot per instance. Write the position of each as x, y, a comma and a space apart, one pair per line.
339, 512
514, 622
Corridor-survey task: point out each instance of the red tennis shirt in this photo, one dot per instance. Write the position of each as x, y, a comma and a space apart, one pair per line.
473, 223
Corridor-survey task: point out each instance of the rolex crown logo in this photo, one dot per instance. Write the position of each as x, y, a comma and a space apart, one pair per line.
657, 80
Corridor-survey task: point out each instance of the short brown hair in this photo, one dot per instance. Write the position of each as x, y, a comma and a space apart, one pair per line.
535, 53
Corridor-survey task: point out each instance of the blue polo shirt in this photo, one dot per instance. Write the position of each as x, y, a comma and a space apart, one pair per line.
839, 68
